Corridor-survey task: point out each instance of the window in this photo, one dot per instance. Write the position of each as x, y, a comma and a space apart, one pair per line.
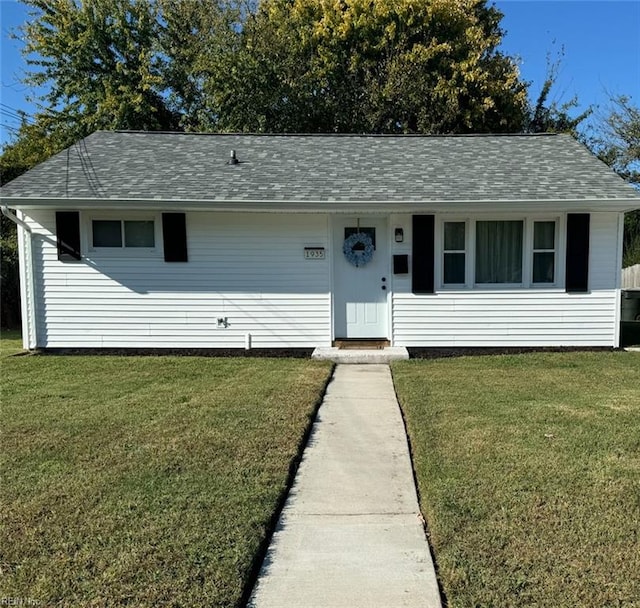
370, 232
499, 247
454, 257
499, 253
544, 252
123, 233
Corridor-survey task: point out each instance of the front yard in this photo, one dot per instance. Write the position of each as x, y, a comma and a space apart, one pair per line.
150, 481
144, 481
528, 470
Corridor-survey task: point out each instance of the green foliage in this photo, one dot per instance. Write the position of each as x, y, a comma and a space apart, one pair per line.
631, 248
617, 142
34, 144
427, 66
101, 61
9, 274
354, 66
200, 42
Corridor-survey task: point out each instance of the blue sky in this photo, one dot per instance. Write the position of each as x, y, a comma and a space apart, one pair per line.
600, 40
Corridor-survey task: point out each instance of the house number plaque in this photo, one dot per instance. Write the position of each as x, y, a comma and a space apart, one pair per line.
314, 253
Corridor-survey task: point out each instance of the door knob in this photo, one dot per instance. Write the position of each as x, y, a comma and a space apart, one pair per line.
384, 287
384, 279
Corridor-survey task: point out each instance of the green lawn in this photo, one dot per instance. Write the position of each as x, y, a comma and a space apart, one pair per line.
144, 481
528, 469
10, 342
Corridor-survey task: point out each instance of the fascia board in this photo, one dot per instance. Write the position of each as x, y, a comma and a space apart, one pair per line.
336, 206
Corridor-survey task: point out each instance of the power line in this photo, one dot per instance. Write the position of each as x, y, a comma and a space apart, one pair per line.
15, 114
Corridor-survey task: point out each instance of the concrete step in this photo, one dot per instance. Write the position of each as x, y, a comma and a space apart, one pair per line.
339, 355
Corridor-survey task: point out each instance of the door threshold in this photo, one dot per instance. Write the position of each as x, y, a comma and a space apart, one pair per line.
361, 343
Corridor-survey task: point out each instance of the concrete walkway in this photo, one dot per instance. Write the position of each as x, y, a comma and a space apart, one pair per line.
350, 534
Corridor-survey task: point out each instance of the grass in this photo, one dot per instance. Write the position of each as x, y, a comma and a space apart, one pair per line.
10, 342
144, 481
528, 469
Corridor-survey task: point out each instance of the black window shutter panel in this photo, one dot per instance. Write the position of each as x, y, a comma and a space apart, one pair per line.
577, 267
423, 280
174, 235
68, 235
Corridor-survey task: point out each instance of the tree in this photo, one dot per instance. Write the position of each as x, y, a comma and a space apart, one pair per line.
392, 66
409, 66
617, 143
617, 139
554, 117
9, 274
35, 142
101, 61
200, 40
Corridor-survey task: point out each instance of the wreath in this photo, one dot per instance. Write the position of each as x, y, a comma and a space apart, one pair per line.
358, 249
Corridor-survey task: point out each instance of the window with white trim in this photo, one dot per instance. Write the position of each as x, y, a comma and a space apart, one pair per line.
544, 252
118, 234
499, 252
454, 253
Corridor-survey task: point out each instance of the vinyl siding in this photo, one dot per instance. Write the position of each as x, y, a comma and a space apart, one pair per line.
246, 268
249, 268
515, 317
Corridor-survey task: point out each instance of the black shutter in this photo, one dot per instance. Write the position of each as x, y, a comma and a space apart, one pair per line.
68, 235
423, 254
174, 234
577, 267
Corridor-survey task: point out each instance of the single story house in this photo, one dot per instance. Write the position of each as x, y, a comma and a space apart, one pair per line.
183, 240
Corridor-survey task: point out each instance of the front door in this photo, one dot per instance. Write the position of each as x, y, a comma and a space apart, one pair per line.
360, 277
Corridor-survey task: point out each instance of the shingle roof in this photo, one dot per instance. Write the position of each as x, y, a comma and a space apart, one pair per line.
350, 168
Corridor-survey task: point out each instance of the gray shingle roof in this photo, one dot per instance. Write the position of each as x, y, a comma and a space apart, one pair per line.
352, 168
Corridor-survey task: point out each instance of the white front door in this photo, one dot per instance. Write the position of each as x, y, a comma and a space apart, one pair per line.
360, 291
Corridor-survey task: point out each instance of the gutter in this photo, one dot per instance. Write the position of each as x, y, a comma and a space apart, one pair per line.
27, 294
337, 205
15, 219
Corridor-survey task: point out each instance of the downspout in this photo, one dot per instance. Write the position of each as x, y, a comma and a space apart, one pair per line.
29, 338
619, 252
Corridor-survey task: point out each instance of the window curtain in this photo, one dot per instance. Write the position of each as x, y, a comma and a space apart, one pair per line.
499, 251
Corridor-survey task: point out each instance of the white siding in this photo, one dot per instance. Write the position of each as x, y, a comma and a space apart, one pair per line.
517, 317
247, 268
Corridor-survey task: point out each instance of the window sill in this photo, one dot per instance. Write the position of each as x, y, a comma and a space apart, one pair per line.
123, 253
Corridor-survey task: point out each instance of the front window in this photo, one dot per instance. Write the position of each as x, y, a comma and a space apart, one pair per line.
499, 246
455, 253
544, 252
123, 233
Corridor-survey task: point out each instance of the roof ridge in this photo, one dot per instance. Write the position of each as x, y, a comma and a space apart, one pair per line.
330, 135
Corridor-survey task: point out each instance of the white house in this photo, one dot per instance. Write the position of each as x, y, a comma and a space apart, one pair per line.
175, 240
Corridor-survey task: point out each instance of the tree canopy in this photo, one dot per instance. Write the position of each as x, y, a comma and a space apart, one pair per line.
101, 62
410, 66
390, 66
617, 142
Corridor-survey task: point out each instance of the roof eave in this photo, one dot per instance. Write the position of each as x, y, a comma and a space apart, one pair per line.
323, 206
